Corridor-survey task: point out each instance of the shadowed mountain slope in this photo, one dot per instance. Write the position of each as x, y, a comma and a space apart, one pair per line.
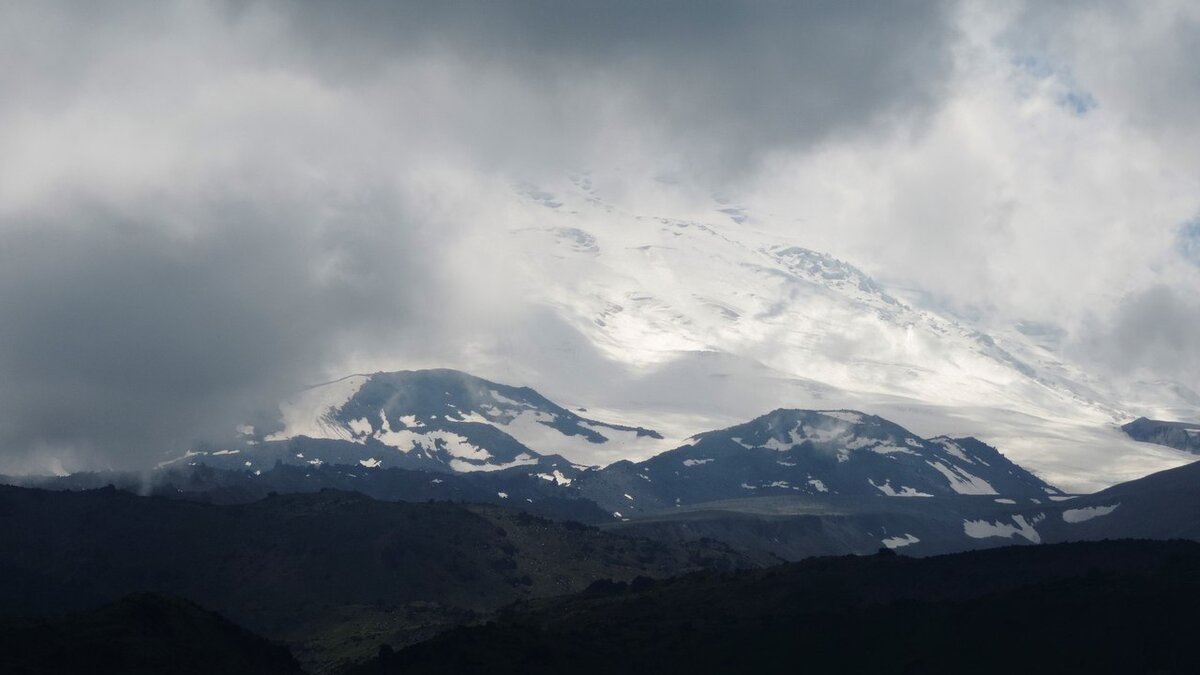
285, 563
1178, 435
139, 634
1103, 607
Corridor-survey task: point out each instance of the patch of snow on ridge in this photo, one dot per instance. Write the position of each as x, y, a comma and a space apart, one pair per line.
501, 398
532, 428
954, 449
885, 449
982, 529
696, 462
410, 421
473, 416
1087, 513
779, 445
466, 467
859, 443
843, 415
555, 477
900, 542
818, 485
186, 454
309, 413
370, 463
888, 490
822, 433
962, 482
456, 445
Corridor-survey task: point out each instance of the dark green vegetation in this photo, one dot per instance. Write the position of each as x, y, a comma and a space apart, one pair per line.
1101, 607
1178, 435
138, 634
292, 566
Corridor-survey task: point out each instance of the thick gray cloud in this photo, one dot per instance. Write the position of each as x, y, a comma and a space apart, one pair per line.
723, 80
205, 206
711, 85
1153, 334
121, 340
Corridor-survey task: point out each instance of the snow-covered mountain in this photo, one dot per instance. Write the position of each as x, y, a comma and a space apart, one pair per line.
689, 317
653, 315
791, 482
441, 420
805, 452
1178, 435
450, 422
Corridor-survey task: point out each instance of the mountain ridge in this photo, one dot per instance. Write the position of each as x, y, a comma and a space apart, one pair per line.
788, 451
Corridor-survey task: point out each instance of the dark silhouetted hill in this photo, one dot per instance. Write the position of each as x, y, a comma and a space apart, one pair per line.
143, 633
290, 565
1097, 607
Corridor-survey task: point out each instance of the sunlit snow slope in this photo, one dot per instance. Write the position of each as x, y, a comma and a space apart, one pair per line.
437, 419
685, 324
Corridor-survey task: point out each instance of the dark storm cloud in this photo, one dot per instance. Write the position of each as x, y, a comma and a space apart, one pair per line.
123, 341
722, 80
204, 206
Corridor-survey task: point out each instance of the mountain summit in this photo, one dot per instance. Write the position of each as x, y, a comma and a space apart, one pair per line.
439, 420
815, 452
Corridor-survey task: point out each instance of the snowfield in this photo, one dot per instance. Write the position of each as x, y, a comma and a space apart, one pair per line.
982, 529
675, 309
685, 315
1086, 514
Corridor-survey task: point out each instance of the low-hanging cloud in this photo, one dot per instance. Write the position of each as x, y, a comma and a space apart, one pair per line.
1152, 334
205, 206
122, 339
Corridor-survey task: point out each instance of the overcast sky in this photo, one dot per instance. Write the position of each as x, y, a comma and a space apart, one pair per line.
206, 205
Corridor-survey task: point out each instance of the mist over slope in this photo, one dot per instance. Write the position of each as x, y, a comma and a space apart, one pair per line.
684, 317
